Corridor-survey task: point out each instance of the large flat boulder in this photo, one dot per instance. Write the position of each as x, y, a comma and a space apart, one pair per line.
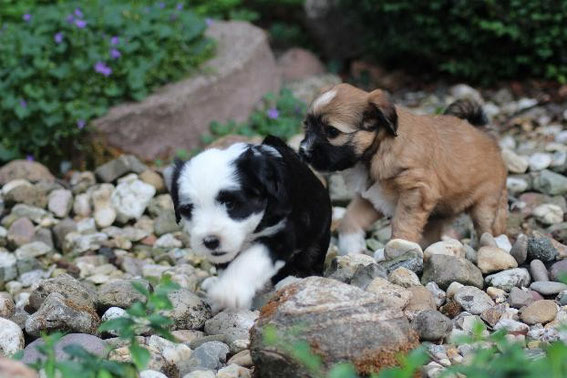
338, 321
228, 87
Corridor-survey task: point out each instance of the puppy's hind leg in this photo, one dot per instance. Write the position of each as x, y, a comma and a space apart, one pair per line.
433, 230
489, 214
360, 216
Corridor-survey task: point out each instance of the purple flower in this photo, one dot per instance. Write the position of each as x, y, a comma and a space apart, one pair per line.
273, 113
80, 23
103, 69
208, 21
58, 37
70, 18
29, 158
114, 40
23, 103
27, 17
179, 6
161, 5
81, 124
78, 13
115, 54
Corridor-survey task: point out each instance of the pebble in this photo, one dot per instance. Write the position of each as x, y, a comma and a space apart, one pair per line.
551, 183
364, 274
209, 356
118, 167
548, 214
200, 374
513, 327
20, 232
520, 249
394, 296
539, 161
443, 270
398, 247
235, 325
497, 295
507, 279
538, 271
404, 278
438, 294
432, 325
32, 250
70, 288
234, 371
558, 270
493, 259
130, 199
514, 162
450, 247
548, 288
503, 243
168, 241
542, 312
90, 343
152, 374
519, 298
82, 205
473, 300
242, 358
120, 293
60, 202
420, 300
487, 240
493, 314
542, 249
189, 311
11, 338
517, 184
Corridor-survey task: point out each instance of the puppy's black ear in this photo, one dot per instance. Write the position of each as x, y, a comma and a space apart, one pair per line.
382, 111
171, 176
267, 178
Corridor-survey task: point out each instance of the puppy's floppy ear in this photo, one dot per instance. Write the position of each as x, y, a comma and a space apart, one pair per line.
266, 174
382, 111
171, 176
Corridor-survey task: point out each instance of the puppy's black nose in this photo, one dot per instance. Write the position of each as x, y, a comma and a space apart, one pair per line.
211, 242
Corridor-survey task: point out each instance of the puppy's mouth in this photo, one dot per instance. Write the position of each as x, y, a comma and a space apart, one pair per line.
218, 253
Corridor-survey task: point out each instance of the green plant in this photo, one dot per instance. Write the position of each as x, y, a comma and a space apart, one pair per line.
278, 115
477, 40
144, 316
62, 65
81, 362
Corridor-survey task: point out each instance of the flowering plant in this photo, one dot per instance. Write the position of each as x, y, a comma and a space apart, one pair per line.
277, 115
62, 64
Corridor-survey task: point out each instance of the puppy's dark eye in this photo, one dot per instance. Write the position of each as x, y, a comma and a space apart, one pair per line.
228, 200
332, 132
186, 210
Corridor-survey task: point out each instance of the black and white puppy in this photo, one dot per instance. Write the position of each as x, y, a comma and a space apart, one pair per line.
255, 211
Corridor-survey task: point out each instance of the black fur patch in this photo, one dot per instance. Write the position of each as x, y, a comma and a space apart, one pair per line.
468, 110
177, 166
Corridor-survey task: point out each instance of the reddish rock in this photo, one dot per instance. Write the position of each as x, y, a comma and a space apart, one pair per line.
24, 169
241, 73
297, 63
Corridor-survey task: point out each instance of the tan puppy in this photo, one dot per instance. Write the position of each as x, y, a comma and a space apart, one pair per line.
420, 170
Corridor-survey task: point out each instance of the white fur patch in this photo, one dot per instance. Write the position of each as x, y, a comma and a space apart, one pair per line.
352, 243
356, 179
200, 181
243, 277
323, 100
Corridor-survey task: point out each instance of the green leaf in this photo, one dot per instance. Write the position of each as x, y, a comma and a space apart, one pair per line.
140, 356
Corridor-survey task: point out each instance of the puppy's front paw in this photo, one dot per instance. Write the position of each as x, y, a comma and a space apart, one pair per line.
352, 243
230, 295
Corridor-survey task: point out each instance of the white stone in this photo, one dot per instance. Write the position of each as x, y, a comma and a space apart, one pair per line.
104, 213
449, 247
60, 202
233, 371
11, 338
515, 162
516, 184
167, 241
539, 161
82, 205
548, 214
131, 198
397, 247
152, 374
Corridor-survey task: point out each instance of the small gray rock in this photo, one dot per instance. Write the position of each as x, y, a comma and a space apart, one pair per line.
11, 338
551, 183
443, 270
120, 293
473, 300
34, 249
165, 223
520, 249
189, 311
432, 325
58, 314
91, 343
117, 168
209, 356
8, 267
558, 270
548, 288
519, 298
364, 274
538, 271
7, 305
542, 249
438, 295
21, 232
61, 230
507, 279
68, 287
60, 202
235, 325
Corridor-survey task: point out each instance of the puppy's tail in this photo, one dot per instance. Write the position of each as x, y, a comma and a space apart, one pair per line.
468, 110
